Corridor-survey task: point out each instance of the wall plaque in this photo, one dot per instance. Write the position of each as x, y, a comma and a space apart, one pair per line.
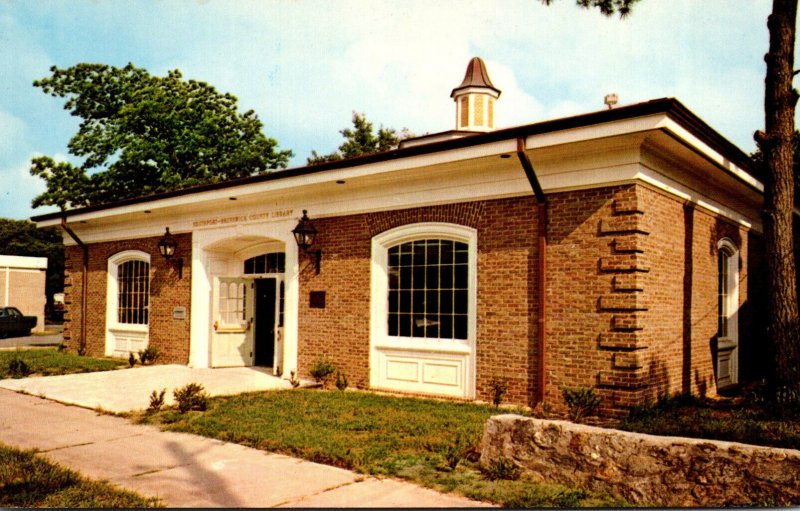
179, 313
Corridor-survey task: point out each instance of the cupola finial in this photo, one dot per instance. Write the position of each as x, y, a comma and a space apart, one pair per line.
475, 99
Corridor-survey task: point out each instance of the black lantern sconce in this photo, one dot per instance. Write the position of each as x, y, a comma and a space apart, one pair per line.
304, 235
167, 246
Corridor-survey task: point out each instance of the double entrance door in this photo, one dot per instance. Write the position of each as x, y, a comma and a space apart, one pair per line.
247, 326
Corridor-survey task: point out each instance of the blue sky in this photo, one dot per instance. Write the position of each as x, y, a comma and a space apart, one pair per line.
305, 65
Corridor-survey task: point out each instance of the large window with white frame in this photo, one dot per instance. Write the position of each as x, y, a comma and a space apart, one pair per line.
424, 282
424, 301
428, 289
128, 303
129, 288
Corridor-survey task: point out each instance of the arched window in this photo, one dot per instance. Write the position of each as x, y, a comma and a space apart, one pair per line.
129, 288
727, 313
728, 287
424, 301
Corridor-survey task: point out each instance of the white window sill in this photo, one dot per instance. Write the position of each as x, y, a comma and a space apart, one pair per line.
423, 344
129, 328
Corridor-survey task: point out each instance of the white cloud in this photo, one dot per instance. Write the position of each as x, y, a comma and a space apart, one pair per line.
12, 131
18, 188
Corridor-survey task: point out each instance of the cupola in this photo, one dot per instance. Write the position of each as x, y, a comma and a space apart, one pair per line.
475, 99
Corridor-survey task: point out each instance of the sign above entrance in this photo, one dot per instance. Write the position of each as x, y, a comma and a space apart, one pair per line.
237, 219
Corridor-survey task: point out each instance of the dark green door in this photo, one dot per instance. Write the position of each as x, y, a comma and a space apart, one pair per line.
265, 322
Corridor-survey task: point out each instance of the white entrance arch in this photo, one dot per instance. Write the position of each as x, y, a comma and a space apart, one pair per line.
219, 254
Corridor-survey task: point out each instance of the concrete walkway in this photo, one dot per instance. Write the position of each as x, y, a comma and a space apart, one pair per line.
191, 471
126, 390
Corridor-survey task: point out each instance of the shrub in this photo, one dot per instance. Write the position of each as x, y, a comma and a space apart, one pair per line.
18, 368
501, 468
322, 369
191, 397
156, 400
293, 379
149, 355
341, 381
581, 402
456, 449
498, 389
131, 359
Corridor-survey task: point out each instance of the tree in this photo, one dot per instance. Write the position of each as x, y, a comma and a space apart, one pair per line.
142, 134
362, 140
777, 144
607, 7
22, 238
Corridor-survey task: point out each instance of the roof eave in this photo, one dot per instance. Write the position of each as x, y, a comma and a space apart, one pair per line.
668, 106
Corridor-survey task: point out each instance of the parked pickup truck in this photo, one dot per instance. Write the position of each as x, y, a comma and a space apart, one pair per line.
13, 323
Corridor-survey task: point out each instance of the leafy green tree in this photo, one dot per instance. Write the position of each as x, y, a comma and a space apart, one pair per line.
607, 7
362, 140
777, 143
142, 134
22, 238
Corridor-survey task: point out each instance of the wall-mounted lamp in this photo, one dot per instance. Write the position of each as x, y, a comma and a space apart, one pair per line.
167, 246
304, 235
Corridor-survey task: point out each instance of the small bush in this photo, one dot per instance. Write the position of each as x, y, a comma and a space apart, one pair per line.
498, 389
294, 380
581, 402
321, 369
149, 355
62, 347
191, 397
341, 381
501, 468
156, 401
18, 368
456, 449
131, 359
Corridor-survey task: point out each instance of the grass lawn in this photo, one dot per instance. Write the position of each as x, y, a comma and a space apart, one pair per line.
28, 480
742, 419
50, 361
414, 439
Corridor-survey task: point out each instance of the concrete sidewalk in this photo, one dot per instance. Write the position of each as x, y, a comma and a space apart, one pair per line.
126, 390
191, 471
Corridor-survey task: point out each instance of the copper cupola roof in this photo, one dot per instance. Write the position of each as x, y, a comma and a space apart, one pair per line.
476, 76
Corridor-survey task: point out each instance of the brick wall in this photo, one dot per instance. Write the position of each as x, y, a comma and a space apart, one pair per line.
584, 268
167, 291
629, 312
507, 307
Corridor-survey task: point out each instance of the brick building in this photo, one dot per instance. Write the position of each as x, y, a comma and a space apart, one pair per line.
608, 250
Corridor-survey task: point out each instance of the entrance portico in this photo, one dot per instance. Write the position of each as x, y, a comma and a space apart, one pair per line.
246, 277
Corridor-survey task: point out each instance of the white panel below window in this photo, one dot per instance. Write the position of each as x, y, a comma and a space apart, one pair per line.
424, 372
124, 342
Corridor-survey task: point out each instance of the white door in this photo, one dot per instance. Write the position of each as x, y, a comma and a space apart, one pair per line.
232, 338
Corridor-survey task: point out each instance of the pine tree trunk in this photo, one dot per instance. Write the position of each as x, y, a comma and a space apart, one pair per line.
777, 146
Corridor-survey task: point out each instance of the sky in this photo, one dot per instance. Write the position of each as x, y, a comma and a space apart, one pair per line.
304, 66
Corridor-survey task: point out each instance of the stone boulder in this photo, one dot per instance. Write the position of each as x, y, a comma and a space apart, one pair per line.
645, 470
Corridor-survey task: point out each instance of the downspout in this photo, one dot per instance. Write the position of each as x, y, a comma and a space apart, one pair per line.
84, 279
542, 269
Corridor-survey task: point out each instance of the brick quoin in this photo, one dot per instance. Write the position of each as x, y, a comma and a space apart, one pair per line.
167, 291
